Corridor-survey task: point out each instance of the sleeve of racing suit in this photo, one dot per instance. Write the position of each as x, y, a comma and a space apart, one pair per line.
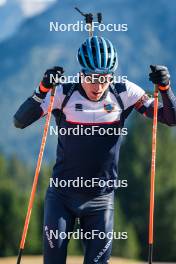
166, 109
35, 107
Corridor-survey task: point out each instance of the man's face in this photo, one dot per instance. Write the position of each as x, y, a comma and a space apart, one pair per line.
95, 85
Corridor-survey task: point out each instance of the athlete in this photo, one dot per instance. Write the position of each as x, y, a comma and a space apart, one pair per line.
99, 109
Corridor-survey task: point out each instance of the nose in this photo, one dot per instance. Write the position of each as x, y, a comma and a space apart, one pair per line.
97, 87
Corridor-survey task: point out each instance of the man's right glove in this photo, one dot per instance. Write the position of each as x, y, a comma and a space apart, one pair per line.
50, 79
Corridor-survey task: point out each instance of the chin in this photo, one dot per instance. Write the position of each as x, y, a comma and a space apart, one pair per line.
92, 98
97, 98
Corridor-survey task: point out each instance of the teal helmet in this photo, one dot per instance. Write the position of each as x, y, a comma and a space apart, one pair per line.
97, 55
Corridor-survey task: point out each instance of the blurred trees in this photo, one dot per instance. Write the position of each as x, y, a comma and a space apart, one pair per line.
15, 187
131, 203
135, 167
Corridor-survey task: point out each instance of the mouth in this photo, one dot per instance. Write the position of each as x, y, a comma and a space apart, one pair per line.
96, 93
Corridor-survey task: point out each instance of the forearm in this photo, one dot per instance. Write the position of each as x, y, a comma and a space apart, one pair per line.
29, 112
166, 110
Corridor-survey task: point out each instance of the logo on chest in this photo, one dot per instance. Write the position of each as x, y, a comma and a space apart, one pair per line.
109, 108
78, 107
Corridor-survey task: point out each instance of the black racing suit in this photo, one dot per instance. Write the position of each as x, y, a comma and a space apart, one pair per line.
86, 157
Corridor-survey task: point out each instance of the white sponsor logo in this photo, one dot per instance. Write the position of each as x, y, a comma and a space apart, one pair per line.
101, 253
48, 237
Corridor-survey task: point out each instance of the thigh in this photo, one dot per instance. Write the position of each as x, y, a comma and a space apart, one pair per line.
98, 249
57, 220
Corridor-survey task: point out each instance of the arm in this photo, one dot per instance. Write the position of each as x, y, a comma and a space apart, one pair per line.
28, 113
36, 106
166, 109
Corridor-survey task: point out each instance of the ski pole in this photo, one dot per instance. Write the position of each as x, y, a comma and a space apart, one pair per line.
89, 20
35, 181
152, 175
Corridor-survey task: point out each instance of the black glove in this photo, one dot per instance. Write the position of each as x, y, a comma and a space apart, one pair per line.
51, 77
48, 82
159, 75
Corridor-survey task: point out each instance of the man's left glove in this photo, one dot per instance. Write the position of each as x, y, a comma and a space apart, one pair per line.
160, 75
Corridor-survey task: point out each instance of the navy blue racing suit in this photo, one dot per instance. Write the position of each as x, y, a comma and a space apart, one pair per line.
91, 157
